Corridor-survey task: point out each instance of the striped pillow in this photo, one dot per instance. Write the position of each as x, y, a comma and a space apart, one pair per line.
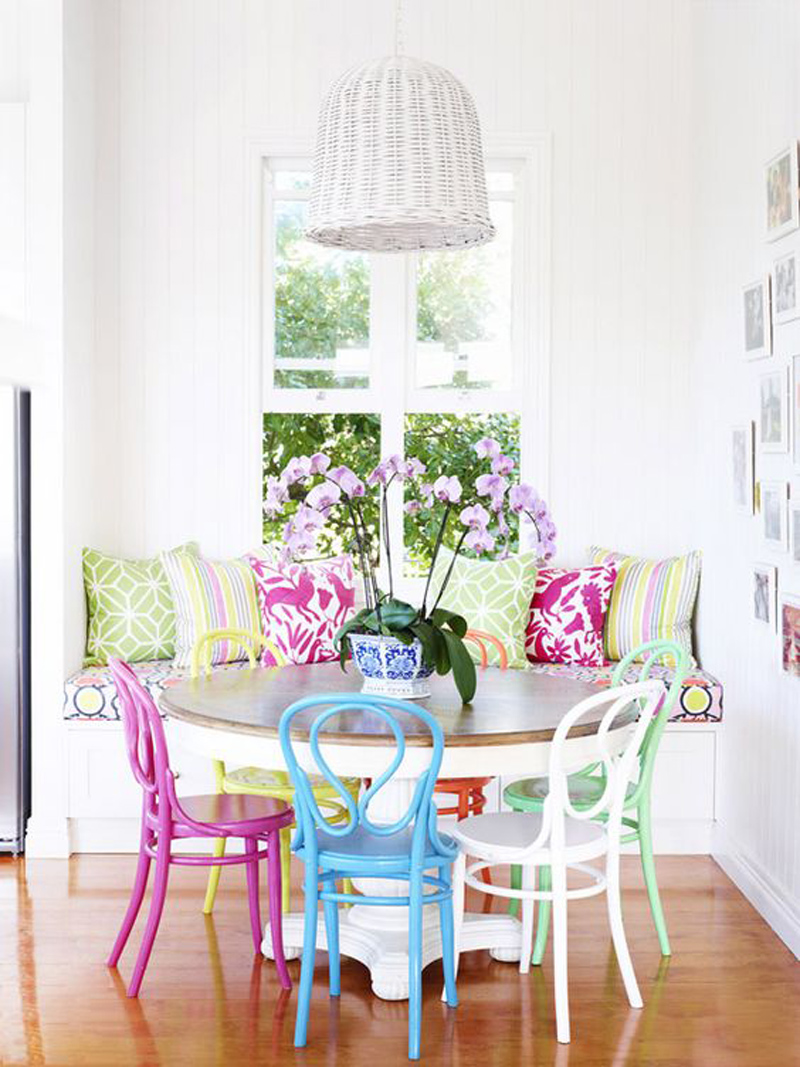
652, 599
210, 595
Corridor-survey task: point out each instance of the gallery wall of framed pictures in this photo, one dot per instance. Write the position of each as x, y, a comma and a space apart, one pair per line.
765, 452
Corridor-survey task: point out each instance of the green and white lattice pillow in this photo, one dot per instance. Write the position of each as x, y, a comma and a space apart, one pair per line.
493, 596
129, 606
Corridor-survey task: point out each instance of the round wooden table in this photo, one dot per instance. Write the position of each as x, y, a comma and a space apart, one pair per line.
233, 715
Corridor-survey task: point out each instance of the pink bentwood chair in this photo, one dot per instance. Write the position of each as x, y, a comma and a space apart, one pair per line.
165, 817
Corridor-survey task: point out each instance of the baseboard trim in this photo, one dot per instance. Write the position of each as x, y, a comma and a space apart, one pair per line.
47, 839
759, 888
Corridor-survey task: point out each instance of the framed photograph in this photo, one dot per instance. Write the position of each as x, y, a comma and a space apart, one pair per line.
742, 443
790, 634
785, 296
765, 594
795, 411
773, 422
757, 319
781, 187
794, 531
775, 514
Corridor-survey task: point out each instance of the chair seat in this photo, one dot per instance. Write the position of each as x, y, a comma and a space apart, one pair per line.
362, 845
529, 793
506, 833
237, 813
275, 782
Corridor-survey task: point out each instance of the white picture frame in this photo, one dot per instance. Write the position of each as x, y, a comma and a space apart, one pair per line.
742, 452
786, 288
782, 192
774, 499
765, 595
794, 406
757, 318
789, 631
794, 530
773, 411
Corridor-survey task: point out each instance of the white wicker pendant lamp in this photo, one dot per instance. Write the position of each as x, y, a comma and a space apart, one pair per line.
398, 165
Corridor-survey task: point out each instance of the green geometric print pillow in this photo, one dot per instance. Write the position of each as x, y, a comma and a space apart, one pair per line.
493, 596
129, 607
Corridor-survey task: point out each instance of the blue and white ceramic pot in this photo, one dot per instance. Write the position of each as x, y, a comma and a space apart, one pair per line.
390, 668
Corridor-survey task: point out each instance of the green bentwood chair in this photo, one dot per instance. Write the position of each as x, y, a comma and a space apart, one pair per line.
587, 786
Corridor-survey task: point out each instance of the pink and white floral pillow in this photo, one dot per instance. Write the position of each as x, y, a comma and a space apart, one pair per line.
568, 612
302, 606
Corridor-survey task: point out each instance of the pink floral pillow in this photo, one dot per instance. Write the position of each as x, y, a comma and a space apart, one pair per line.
568, 611
302, 606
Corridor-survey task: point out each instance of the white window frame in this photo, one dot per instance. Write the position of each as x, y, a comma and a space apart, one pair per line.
391, 392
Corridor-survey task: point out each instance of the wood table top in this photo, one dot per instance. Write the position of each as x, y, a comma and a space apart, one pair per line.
510, 707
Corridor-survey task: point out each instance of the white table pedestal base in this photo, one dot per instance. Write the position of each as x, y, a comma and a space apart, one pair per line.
375, 937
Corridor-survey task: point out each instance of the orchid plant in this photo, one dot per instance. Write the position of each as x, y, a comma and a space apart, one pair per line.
494, 500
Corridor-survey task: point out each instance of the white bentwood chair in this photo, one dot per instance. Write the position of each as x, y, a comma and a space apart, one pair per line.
562, 837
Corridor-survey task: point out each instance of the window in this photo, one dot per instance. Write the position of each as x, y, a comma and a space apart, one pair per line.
367, 355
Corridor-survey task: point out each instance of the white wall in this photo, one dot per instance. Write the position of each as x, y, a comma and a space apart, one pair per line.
180, 87
748, 106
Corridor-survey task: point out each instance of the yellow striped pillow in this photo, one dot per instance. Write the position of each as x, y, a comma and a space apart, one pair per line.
210, 595
652, 599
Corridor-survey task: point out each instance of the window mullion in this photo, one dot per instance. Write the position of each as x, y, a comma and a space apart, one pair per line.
389, 327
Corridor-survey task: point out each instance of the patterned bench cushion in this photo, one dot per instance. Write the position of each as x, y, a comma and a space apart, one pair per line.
89, 694
700, 699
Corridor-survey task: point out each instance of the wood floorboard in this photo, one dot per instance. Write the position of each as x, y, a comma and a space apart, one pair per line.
728, 997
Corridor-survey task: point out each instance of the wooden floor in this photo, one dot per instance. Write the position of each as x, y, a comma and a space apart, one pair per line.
729, 996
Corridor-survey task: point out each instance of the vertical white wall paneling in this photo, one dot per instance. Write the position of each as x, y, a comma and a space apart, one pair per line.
748, 106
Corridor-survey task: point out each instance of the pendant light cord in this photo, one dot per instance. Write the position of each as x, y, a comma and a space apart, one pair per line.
398, 27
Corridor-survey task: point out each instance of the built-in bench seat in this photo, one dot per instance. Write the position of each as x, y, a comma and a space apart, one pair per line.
89, 694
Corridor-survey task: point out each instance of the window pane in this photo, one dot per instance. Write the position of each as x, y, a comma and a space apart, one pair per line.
290, 179
353, 440
321, 309
464, 313
445, 444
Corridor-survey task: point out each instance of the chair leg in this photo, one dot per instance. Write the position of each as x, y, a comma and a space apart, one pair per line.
286, 868
458, 913
618, 930
543, 919
331, 910
251, 848
649, 871
153, 918
309, 951
274, 881
516, 883
137, 895
213, 877
414, 964
447, 925
528, 905
559, 882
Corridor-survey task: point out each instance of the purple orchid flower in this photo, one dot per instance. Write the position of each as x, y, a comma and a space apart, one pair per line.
476, 517
522, 497
426, 493
487, 448
413, 467
448, 490
502, 464
320, 463
493, 485
323, 496
277, 495
350, 484
298, 469
479, 541
413, 507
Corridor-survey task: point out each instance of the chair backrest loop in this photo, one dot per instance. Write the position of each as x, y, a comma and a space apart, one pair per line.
249, 642
421, 810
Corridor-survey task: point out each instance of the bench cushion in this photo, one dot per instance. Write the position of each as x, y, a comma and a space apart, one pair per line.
90, 696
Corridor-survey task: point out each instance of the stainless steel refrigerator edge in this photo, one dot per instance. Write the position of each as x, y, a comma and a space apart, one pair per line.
14, 617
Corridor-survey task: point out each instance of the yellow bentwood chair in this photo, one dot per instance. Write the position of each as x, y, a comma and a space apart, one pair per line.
255, 780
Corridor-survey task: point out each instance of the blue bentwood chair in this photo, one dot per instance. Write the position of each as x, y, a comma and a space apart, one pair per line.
404, 850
